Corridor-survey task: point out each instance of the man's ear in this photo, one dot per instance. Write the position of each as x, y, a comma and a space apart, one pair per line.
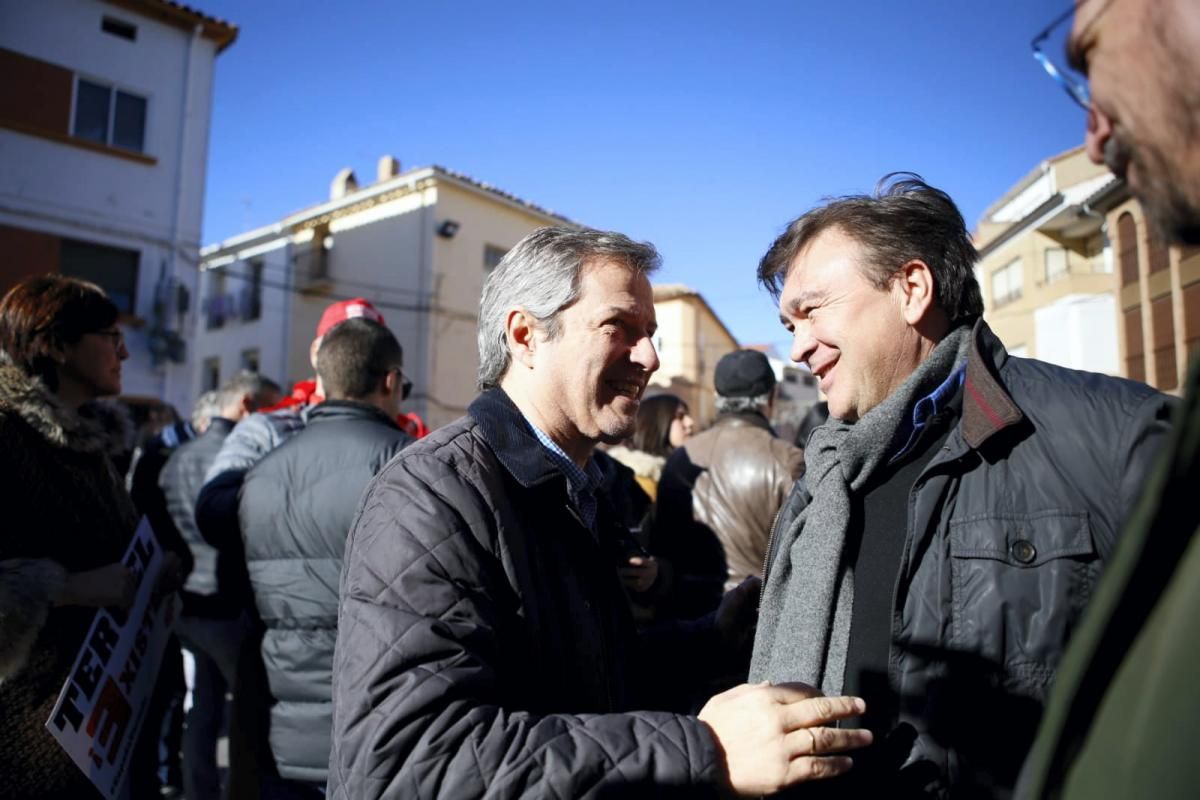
247, 404
521, 333
916, 292
391, 383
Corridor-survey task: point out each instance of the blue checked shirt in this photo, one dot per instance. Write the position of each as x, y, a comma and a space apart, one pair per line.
581, 483
926, 407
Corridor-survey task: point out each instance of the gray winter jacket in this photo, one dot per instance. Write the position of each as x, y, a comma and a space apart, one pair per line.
485, 647
1010, 526
295, 511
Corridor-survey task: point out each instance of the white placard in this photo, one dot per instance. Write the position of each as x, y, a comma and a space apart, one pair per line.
104, 701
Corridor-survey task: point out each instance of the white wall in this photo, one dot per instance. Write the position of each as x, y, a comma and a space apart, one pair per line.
1078, 332
77, 193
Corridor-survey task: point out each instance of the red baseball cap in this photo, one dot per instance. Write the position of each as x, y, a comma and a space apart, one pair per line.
347, 309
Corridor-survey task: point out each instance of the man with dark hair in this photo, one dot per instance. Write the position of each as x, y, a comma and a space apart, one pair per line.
956, 509
487, 648
295, 510
1124, 717
721, 489
216, 594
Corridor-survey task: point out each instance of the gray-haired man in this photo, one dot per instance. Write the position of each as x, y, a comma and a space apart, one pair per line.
485, 646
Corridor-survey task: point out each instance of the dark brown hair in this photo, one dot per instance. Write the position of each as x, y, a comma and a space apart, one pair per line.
354, 357
49, 312
905, 219
653, 434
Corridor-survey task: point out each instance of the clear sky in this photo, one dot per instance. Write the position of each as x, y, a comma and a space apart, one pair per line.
701, 126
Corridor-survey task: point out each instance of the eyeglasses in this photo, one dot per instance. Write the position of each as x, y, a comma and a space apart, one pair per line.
115, 335
1050, 50
405, 385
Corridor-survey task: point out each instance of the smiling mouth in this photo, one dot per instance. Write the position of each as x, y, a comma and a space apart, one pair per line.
630, 389
823, 372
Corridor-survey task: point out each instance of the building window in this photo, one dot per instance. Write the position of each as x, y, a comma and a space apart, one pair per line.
253, 292
118, 28
112, 269
1162, 325
492, 256
211, 375
1007, 283
1128, 254
216, 306
250, 359
1135, 358
1159, 256
1056, 263
109, 116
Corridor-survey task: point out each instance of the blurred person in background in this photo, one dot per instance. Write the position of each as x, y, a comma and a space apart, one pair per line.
296, 508
720, 491
214, 621
68, 518
663, 423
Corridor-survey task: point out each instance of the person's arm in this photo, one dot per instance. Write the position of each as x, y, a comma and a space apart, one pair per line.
418, 703
217, 503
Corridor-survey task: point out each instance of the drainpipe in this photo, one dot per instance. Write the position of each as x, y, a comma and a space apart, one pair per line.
185, 112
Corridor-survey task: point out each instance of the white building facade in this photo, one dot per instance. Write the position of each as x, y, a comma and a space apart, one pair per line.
418, 245
104, 126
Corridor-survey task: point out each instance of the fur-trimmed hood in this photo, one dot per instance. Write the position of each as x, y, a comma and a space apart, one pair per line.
643, 464
99, 427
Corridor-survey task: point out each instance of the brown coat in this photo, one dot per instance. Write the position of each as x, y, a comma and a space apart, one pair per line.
724, 486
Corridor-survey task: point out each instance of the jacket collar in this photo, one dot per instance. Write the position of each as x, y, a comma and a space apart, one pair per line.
988, 408
751, 418
504, 429
219, 426
95, 428
348, 409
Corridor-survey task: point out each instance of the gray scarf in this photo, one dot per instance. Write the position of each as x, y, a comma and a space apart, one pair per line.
804, 620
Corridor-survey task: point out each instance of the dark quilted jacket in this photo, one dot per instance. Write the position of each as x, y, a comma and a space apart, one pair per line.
1010, 525
485, 648
296, 508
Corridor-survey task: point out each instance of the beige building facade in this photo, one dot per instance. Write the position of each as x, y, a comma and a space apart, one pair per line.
690, 341
1046, 267
1158, 295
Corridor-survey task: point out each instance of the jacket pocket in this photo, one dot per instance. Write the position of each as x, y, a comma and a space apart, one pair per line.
1020, 583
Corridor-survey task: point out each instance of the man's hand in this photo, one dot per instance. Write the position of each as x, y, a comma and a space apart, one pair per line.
109, 586
738, 613
774, 736
639, 573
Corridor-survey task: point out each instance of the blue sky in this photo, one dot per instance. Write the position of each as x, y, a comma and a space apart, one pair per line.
703, 127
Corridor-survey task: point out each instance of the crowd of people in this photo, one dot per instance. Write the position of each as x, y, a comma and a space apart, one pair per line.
973, 575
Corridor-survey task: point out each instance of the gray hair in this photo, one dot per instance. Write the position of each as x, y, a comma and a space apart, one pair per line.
542, 275
742, 405
207, 406
245, 384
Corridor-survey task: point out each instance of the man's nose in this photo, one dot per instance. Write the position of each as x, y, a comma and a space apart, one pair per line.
804, 344
1099, 129
644, 354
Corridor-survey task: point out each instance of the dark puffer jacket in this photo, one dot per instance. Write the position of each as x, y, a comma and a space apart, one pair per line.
65, 510
718, 495
1010, 525
296, 508
217, 584
485, 646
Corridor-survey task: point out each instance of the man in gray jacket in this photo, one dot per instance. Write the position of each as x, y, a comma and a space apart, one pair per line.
295, 511
485, 645
957, 508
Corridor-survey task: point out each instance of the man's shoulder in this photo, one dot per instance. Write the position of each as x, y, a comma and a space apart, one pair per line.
1039, 386
456, 448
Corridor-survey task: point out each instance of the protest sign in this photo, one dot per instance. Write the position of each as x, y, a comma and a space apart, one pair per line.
104, 701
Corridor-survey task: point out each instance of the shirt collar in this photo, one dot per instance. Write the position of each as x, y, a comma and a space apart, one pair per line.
581, 483
926, 408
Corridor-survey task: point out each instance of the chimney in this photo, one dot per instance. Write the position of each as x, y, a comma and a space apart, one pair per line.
388, 168
344, 183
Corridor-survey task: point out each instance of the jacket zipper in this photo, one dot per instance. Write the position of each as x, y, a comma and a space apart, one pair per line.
762, 590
